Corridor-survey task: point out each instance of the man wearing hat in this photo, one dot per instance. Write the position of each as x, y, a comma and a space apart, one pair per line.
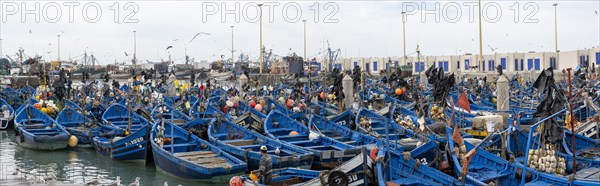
265, 166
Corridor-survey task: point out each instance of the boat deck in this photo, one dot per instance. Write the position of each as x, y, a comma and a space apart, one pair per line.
207, 159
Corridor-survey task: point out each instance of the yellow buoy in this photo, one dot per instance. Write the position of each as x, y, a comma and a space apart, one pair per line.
253, 177
73, 141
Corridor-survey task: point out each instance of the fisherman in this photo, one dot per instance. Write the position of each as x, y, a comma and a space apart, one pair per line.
265, 166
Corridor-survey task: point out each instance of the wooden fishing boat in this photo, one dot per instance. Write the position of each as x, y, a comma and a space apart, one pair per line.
182, 155
39, 131
245, 145
328, 152
134, 142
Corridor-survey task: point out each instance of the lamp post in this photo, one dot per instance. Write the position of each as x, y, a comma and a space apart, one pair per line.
304, 21
58, 47
261, 45
134, 61
555, 28
480, 39
232, 61
404, 35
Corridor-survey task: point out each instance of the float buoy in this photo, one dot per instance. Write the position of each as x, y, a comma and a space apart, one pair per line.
258, 107
73, 141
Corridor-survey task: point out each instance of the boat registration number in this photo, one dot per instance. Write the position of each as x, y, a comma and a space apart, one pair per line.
134, 141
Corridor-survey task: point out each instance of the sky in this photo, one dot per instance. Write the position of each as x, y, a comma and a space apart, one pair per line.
356, 28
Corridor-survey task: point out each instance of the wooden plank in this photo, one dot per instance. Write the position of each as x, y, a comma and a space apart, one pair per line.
192, 153
240, 142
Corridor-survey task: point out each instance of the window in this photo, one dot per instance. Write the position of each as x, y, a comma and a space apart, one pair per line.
503, 63
387, 66
516, 65
457, 64
492, 66
597, 58
522, 65
441, 64
367, 67
395, 64
553, 63
446, 66
375, 66
417, 67
529, 64
536, 63
482, 66
466, 64
355, 64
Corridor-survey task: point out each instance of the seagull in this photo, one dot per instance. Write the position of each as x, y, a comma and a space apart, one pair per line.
16, 171
175, 39
126, 54
277, 151
199, 33
166, 183
169, 47
94, 181
116, 183
49, 177
596, 11
30, 179
136, 182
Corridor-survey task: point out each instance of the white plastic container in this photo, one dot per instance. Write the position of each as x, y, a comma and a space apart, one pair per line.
490, 125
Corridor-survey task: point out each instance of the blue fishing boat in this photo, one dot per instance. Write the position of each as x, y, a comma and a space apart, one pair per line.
132, 145
328, 152
203, 109
245, 145
484, 168
37, 130
340, 133
397, 169
180, 154
369, 122
7, 114
286, 176
167, 112
82, 127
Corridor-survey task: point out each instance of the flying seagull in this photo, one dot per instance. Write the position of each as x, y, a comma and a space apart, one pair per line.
198, 34
175, 39
169, 47
126, 54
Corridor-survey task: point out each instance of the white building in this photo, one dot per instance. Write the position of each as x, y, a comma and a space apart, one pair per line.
468, 63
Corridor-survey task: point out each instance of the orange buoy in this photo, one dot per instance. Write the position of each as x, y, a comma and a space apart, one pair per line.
289, 103
293, 133
235, 181
398, 92
403, 90
252, 103
322, 95
258, 107
37, 105
373, 153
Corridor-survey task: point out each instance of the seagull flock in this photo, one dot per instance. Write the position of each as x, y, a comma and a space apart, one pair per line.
33, 177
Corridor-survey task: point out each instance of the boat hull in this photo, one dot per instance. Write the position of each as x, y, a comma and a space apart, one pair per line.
130, 148
29, 141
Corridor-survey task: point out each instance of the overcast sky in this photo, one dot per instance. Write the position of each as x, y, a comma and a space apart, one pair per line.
357, 28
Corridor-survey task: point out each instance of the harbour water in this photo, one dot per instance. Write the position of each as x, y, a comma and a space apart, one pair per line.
74, 166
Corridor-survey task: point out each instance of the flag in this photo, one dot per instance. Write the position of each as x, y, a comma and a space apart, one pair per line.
463, 102
456, 136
